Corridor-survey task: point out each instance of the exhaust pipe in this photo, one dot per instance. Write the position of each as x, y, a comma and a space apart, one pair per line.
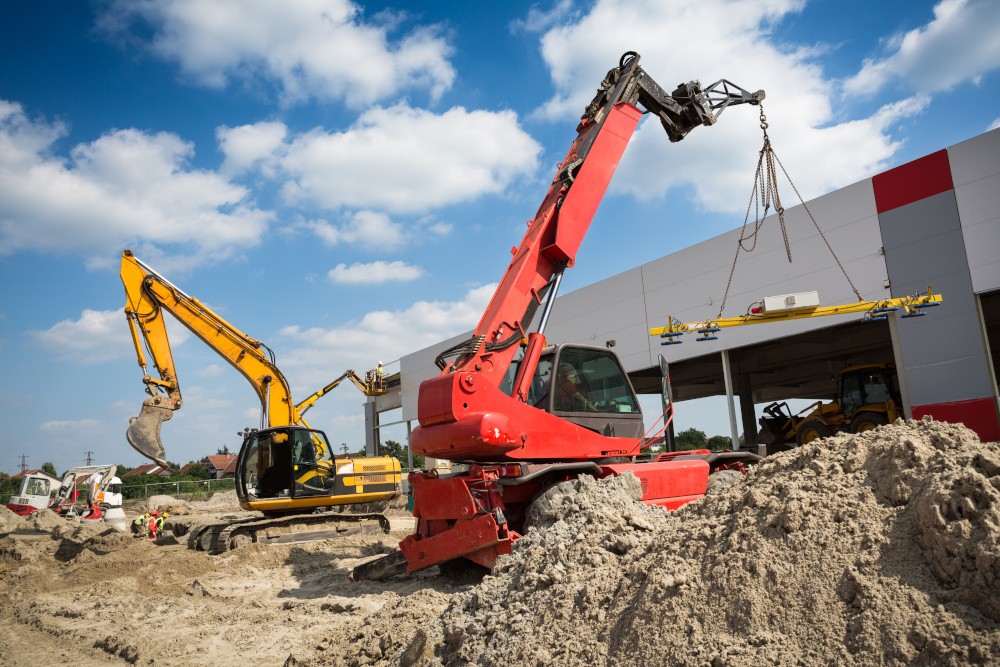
144, 431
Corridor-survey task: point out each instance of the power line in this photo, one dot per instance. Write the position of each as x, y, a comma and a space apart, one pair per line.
24, 464
89, 454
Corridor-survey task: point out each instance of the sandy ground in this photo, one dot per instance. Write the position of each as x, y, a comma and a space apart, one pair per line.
78, 596
881, 548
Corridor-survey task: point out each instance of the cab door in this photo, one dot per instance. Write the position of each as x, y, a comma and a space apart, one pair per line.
312, 464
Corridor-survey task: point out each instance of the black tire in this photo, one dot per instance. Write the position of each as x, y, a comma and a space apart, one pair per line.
542, 510
720, 479
866, 421
814, 429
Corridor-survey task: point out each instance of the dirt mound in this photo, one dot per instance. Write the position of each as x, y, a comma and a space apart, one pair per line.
881, 548
224, 499
9, 521
164, 503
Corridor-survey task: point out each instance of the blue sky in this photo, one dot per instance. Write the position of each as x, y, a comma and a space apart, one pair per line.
344, 181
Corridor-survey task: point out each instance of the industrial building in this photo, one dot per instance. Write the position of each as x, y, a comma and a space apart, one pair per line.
933, 222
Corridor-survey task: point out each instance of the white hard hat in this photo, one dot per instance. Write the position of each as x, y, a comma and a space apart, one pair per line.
380, 363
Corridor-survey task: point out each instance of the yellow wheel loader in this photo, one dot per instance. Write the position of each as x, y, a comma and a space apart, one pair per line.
869, 396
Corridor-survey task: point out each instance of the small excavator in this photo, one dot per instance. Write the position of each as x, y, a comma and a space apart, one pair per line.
527, 416
285, 469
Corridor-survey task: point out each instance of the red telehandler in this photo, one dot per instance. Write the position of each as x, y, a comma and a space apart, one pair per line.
526, 415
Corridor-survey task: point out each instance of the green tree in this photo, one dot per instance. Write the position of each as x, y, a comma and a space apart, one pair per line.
197, 471
8, 485
690, 439
398, 452
50, 468
717, 443
121, 470
223, 451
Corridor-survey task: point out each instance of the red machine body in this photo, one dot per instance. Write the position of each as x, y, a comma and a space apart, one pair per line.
495, 412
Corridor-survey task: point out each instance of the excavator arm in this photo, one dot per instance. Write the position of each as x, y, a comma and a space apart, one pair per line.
148, 294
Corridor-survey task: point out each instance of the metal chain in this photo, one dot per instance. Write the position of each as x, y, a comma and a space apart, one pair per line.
764, 195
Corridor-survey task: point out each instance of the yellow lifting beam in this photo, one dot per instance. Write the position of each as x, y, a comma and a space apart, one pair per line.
873, 311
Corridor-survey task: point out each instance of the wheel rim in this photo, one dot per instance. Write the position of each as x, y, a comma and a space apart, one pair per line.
205, 540
865, 426
809, 435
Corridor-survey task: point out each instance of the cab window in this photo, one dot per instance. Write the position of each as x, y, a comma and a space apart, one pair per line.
591, 380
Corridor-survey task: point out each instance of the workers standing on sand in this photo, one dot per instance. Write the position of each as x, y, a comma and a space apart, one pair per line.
160, 522
151, 525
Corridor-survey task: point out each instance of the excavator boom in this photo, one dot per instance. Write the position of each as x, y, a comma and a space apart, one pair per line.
148, 294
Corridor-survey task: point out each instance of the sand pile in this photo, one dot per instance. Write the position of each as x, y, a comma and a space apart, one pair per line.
881, 548
224, 499
45, 533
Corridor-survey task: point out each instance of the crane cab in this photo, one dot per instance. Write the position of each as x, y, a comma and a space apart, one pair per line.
585, 385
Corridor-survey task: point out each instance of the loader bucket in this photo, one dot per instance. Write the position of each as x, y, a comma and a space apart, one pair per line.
770, 431
144, 432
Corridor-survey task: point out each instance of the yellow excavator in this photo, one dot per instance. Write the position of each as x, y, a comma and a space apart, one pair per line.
285, 469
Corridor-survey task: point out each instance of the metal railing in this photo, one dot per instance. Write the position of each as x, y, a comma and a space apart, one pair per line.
185, 490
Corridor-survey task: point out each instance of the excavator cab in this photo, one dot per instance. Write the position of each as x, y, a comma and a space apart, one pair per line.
286, 462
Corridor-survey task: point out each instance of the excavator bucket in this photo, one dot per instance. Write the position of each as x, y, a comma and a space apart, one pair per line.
144, 431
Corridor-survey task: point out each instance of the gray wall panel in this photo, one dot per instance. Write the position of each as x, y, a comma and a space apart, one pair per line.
923, 219
975, 159
979, 201
929, 386
942, 352
979, 208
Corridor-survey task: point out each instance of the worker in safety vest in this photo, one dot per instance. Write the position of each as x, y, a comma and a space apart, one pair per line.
151, 527
137, 528
379, 374
160, 522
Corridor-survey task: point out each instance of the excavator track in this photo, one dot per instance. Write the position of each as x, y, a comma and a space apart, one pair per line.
217, 538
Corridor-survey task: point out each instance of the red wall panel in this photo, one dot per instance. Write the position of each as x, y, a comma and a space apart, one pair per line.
979, 414
913, 181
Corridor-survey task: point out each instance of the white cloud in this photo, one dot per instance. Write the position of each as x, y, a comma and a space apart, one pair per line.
247, 145
994, 125
70, 425
98, 336
127, 187
210, 371
374, 273
431, 160
820, 152
325, 353
961, 43
368, 228
308, 48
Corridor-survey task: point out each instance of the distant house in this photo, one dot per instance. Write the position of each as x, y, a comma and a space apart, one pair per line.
188, 466
218, 464
230, 470
149, 469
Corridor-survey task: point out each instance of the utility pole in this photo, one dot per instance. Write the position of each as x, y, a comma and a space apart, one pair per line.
24, 464
89, 454
344, 447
